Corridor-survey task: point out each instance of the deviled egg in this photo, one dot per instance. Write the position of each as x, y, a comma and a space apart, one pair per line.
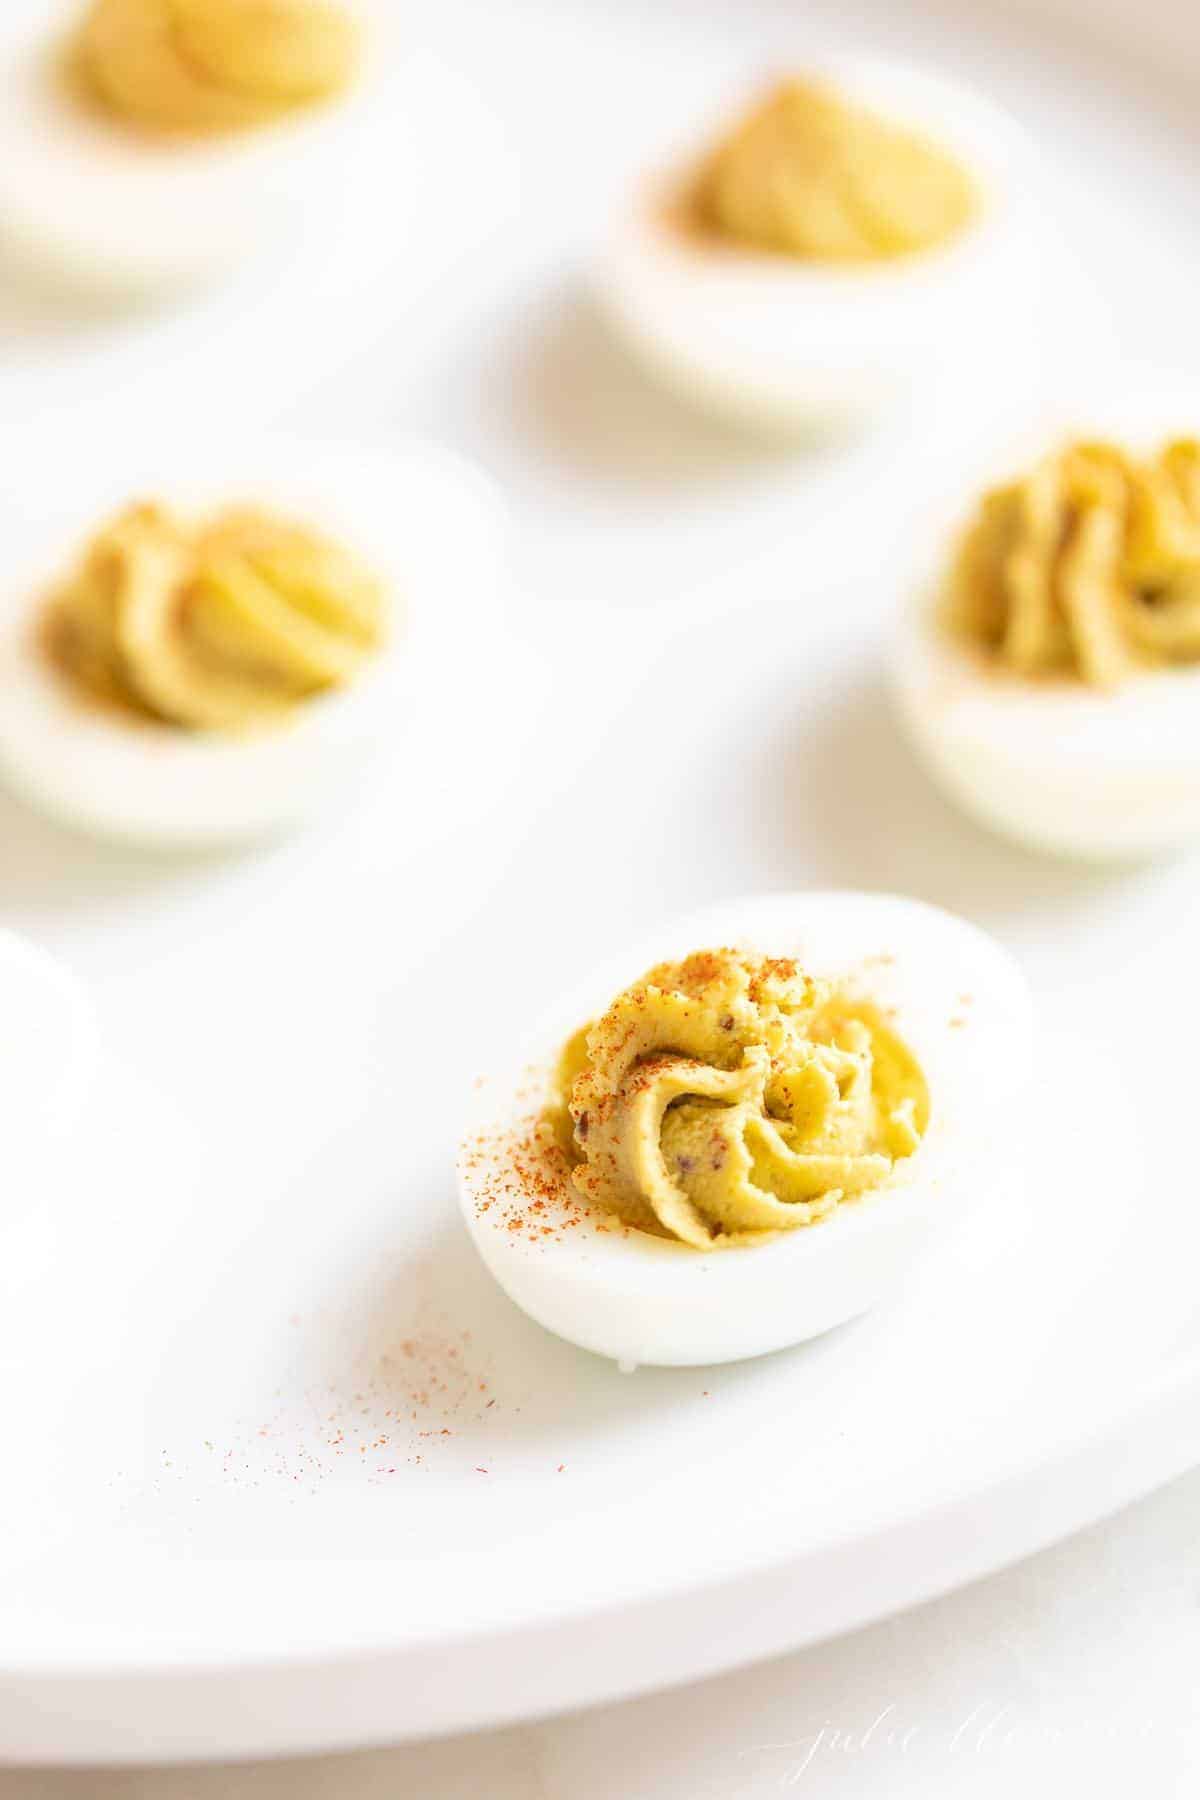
47, 1055
150, 143
214, 655
1049, 671
850, 237
749, 1143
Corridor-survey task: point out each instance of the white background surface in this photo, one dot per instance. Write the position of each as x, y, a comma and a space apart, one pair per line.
1075, 1672
480, 338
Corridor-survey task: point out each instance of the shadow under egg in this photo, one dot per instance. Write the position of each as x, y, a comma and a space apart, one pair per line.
568, 388
52, 869
845, 794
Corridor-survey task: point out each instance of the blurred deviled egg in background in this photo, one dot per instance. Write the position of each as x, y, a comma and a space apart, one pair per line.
1048, 669
846, 233
149, 144
212, 652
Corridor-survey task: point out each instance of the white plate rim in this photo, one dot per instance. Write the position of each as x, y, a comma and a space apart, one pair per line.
192, 1708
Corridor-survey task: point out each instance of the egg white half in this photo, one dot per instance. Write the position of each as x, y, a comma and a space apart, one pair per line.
85, 201
47, 1057
785, 343
962, 1006
1053, 763
428, 524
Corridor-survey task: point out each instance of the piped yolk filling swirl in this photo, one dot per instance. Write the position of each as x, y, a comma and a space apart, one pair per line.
729, 1096
810, 174
1088, 566
222, 625
202, 66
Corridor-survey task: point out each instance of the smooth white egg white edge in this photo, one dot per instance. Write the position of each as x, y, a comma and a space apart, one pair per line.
427, 522
1101, 777
637, 1300
782, 343
85, 201
1056, 765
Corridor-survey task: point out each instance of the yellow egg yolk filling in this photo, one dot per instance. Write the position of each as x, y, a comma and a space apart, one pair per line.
1088, 566
727, 1097
815, 176
200, 66
223, 625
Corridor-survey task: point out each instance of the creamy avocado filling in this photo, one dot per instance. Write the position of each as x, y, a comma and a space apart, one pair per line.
214, 65
813, 175
728, 1096
222, 625
1087, 566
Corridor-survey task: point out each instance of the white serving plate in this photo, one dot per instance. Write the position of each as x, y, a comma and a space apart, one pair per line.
218, 1539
